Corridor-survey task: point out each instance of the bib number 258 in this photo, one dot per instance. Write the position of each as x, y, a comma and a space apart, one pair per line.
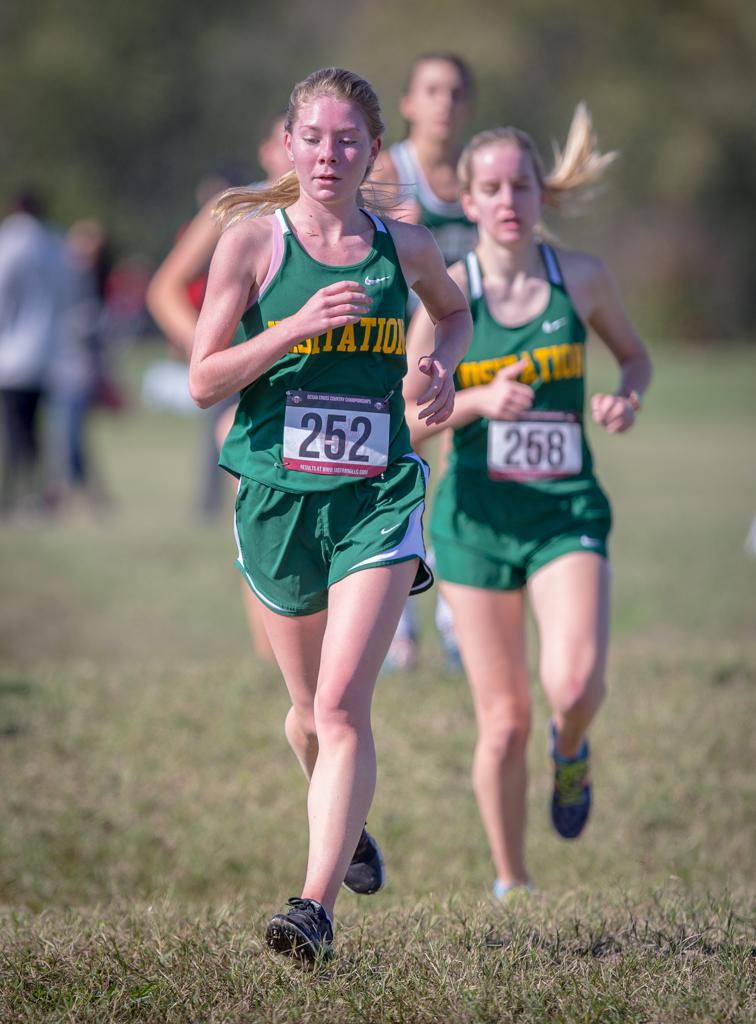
536, 447
336, 434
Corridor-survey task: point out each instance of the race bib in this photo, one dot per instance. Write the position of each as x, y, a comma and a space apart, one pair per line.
337, 434
539, 446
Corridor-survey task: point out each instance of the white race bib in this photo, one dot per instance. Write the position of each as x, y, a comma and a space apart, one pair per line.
346, 435
538, 446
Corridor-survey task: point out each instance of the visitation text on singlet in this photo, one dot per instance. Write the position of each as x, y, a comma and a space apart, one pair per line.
545, 449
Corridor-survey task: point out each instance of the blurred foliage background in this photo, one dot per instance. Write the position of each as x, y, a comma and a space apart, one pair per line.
117, 110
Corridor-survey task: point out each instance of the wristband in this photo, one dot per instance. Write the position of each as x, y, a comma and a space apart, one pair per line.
635, 398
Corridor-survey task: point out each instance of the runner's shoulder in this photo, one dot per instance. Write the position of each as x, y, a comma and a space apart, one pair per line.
580, 268
249, 231
249, 242
587, 278
411, 238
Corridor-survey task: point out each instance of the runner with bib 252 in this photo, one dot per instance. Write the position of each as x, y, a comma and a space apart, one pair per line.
519, 509
330, 502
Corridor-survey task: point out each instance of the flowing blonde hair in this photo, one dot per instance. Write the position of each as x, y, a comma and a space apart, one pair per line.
237, 203
577, 170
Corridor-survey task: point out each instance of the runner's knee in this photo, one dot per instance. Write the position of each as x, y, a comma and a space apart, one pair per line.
338, 717
301, 719
573, 691
503, 734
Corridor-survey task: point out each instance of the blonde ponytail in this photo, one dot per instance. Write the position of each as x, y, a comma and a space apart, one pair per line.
256, 201
579, 167
260, 200
577, 170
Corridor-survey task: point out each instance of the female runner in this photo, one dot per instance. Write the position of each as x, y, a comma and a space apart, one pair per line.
177, 289
328, 513
175, 297
519, 509
437, 105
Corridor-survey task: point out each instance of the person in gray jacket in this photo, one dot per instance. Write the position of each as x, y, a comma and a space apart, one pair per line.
34, 298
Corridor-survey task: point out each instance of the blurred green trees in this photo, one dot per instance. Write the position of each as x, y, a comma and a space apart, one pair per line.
117, 110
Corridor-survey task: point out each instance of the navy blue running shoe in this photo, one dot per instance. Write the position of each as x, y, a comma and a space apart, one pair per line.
571, 799
366, 874
305, 932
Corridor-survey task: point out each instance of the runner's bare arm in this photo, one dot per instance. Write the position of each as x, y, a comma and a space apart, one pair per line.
597, 295
429, 385
421, 340
167, 298
503, 398
241, 259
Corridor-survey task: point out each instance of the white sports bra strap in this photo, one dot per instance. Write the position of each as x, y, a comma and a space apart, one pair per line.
405, 168
379, 225
279, 227
474, 276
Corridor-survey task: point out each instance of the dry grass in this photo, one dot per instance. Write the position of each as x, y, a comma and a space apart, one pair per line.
153, 816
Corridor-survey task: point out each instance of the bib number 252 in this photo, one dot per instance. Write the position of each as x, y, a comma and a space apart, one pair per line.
336, 434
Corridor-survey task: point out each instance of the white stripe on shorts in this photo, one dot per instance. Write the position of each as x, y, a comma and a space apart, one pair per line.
245, 570
412, 543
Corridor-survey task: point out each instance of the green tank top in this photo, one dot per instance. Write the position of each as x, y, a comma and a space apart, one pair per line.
553, 343
316, 419
446, 221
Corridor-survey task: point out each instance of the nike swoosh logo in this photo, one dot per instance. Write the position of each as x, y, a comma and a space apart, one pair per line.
550, 326
376, 280
391, 528
589, 542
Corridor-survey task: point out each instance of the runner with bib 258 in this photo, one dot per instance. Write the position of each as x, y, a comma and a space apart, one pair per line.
330, 502
519, 510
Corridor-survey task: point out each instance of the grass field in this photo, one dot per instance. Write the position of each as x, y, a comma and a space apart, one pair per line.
153, 817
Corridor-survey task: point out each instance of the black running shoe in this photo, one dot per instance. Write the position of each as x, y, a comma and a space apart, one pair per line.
305, 932
366, 874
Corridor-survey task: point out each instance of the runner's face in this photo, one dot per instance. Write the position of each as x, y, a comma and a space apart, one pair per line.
437, 103
331, 148
505, 199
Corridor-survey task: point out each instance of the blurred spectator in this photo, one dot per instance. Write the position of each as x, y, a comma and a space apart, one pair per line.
34, 301
125, 291
80, 377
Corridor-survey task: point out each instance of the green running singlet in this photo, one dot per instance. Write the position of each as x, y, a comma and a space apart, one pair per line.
553, 344
331, 409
